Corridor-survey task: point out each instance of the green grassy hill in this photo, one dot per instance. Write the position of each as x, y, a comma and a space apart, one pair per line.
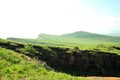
82, 35
18, 66
83, 40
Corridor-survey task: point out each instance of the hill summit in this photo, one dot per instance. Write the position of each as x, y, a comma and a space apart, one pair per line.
83, 34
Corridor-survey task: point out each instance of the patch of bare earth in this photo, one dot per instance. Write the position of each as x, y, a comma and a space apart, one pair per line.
103, 78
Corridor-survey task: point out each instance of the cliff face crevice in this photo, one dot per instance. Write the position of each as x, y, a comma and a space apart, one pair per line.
75, 62
100, 63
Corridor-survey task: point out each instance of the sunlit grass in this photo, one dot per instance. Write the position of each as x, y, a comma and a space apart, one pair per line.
14, 66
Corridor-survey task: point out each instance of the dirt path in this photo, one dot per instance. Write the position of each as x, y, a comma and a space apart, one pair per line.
103, 78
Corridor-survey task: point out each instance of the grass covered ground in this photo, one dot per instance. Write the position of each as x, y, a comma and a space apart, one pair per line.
16, 66
82, 44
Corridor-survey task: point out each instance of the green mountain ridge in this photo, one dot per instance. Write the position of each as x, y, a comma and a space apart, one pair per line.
79, 34
82, 35
78, 38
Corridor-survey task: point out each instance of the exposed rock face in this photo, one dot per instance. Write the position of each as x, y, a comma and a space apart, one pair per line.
11, 45
90, 60
86, 59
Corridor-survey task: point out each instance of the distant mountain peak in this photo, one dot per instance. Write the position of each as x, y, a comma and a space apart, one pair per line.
77, 34
81, 34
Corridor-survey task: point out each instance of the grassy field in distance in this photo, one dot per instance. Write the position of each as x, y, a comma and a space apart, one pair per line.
83, 40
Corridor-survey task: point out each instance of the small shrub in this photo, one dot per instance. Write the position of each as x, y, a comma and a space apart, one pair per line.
28, 49
76, 48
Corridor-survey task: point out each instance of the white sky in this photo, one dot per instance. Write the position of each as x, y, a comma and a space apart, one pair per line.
28, 18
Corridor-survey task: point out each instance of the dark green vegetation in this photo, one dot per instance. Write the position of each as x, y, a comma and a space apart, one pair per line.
72, 61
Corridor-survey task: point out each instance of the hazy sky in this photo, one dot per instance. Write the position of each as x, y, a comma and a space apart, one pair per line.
28, 18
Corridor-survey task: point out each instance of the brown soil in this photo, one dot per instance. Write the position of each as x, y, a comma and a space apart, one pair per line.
103, 78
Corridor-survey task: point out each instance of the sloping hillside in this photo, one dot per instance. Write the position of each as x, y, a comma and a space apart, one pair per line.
17, 66
72, 61
92, 36
83, 34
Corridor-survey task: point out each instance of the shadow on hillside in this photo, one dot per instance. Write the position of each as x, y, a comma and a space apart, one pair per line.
74, 62
88, 72
84, 62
